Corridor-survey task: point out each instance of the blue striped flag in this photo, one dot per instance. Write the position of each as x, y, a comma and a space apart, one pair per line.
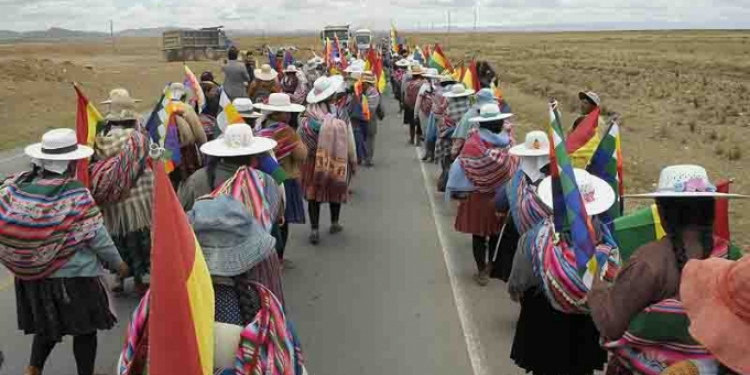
572, 223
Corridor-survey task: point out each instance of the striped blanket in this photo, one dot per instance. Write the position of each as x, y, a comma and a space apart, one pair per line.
284, 135
122, 182
134, 354
525, 205
327, 139
257, 191
268, 345
555, 264
486, 161
657, 338
42, 220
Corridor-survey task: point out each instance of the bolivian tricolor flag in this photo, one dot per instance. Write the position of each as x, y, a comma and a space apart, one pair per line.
87, 119
181, 316
439, 61
471, 78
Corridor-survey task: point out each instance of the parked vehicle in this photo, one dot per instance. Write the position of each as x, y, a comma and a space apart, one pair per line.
209, 43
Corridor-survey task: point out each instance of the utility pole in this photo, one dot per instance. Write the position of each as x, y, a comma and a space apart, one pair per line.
112, 34
449, 22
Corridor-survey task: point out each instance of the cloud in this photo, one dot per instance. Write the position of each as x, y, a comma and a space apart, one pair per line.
94, 15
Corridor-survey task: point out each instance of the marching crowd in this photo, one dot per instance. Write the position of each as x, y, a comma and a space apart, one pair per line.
677, 303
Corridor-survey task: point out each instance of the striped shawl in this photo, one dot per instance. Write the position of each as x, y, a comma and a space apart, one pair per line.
257, 191
525, 205
284, 135
122, 182
42, 220
327, 139
487, 165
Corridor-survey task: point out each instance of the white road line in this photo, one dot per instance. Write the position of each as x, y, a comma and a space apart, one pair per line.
459, 294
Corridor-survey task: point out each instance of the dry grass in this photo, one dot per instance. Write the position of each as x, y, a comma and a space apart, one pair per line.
683, 96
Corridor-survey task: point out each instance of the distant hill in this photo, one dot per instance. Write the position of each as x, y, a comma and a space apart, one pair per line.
145, 32
54, 33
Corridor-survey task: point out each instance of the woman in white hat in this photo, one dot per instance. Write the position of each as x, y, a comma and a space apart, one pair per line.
332, 156
266, 82
429, 102
451, 107
483, 167
246, 110
122, 185
54, 242
686, 200
290, 152
550, 336
483, 96
292, 85
411, 88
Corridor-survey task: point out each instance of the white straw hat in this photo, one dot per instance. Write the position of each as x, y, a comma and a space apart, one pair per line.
244, 107
280, 102
431, 73
238, 140
119, 92
59, 144
535, 144
323, 88
685, 181
402, 63
458, 90
265, 73
291, 69
597, 195
489, 112
590, 95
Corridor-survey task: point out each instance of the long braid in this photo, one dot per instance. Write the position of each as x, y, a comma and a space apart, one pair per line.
248, 298
678, 214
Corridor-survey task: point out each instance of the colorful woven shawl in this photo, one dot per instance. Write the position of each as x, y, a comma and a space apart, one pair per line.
525, 205
257, 191
412, 91
658, 337
555, 264
122, 182
487, 165
310, 125
327, 138
135, 352
284, 135
42, 220
267, 345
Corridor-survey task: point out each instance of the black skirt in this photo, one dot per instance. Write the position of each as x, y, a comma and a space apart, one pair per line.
506, 251
56, 307
550, 342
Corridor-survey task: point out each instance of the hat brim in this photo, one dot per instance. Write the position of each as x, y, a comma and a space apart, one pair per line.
250, 114
712, 322
109, 101
266, 76
402, 64
522, 150
236, 260
671, 194
218, 148
35, 151
313, 97
286, 108
604, 196
584, 96
501, 116
461, 95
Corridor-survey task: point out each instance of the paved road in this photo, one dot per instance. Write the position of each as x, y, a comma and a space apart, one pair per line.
392, 294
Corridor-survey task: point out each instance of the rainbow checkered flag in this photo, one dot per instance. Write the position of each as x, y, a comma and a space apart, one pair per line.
606, 163
573, 226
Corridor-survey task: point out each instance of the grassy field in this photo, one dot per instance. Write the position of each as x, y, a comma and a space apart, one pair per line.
682, 95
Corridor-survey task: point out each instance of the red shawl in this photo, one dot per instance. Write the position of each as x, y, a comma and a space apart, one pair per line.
487, 166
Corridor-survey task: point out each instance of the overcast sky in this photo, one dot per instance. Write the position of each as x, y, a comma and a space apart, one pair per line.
275, 15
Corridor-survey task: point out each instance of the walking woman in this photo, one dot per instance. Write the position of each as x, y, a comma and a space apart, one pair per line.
451, 107
122, 185
331, 157
53, 240
483, 166
291, 153
651, 277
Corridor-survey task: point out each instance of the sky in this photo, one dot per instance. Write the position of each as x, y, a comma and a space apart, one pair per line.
281, 15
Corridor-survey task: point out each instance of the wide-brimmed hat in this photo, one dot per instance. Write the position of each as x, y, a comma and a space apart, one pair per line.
265, 73
597, 195
431, 73
280, 102
317, 60
417, 70
458, 90
715, 293
446, 78
118, 92
245, 108
232, 240
238, 140
59, 144
490, 112
368, 77
535, 144
291, 68
323, 88
685, 181
590, 95
486, 95
122, 108
357, 66
403, 63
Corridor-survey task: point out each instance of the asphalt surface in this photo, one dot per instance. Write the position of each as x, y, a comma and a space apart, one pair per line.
392, 294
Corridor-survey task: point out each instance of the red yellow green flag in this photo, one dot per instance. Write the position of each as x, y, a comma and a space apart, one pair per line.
181, 316
471, 78
439, 61
87, 118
